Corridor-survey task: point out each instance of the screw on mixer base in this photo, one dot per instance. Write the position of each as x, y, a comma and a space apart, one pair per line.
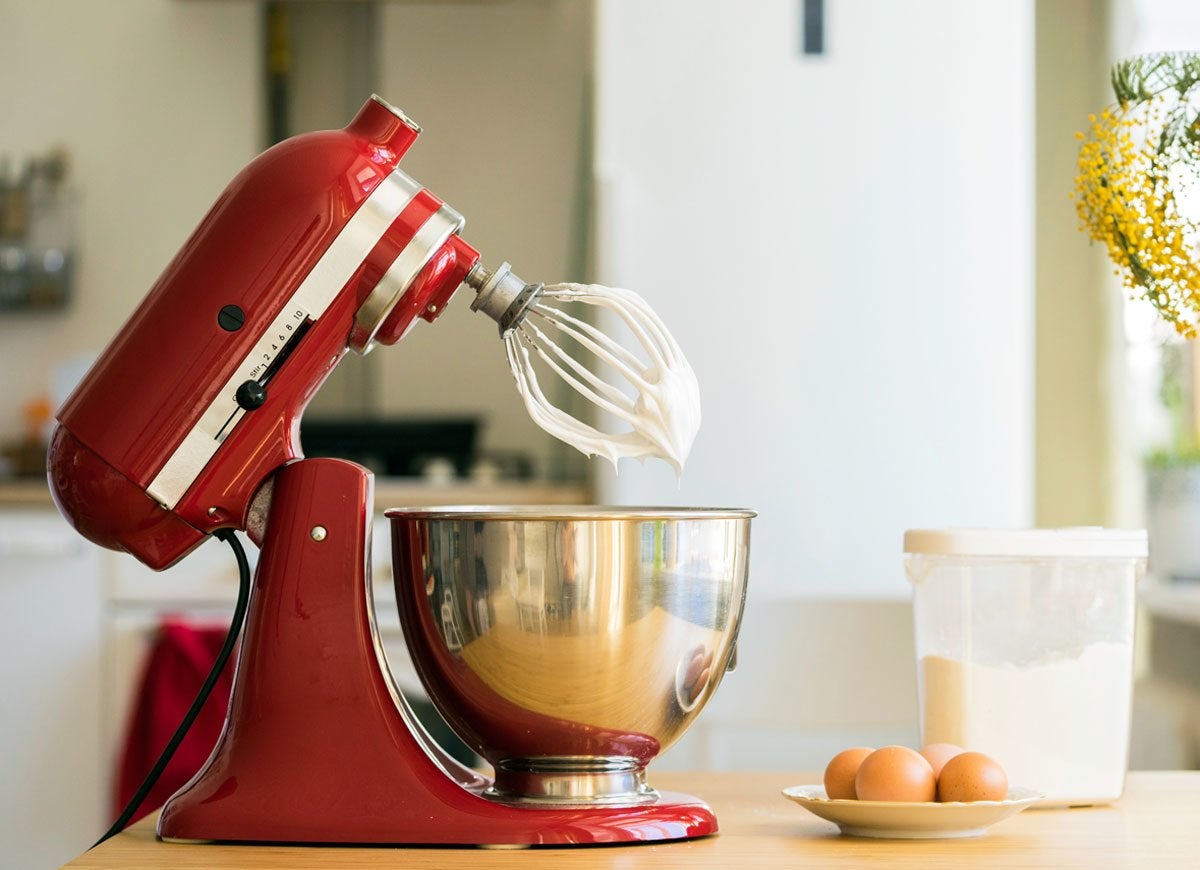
318, 533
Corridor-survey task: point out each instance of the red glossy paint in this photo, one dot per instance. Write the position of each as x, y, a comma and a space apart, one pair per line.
430, 291
318, 749
110, 510
253, 249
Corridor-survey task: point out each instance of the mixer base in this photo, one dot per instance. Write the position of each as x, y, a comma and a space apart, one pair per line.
319, 747
675, 817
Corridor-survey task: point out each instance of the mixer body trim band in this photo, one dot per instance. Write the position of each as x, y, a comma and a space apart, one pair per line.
444, 223
313, 296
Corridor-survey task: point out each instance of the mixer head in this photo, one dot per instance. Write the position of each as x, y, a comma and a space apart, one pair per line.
321, 245
196, 402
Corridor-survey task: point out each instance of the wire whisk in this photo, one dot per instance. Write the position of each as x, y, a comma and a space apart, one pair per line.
653, 391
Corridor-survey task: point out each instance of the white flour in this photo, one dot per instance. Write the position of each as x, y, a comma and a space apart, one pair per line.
663, 412
1061, 728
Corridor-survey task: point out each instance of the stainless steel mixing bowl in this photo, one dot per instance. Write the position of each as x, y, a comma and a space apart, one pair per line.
570, 646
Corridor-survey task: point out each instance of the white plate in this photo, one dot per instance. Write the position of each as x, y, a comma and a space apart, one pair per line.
911, 821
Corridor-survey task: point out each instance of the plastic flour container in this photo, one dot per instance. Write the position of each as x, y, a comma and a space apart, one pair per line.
1024, 643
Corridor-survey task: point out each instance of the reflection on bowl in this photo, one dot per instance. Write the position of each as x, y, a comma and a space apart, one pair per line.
570, 646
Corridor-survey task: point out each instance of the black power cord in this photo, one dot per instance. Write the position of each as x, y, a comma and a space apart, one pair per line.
235, 628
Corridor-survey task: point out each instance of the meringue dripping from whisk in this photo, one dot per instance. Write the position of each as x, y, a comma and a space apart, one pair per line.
650, 389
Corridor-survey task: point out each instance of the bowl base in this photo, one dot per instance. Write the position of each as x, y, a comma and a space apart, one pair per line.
571, 781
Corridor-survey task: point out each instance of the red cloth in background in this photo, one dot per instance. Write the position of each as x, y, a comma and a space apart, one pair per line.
176, 667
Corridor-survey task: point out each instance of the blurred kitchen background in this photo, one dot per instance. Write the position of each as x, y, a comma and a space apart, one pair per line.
853, 214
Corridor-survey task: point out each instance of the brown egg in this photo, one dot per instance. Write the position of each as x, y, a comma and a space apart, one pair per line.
895, 773
840, 773
972, 776
937, 754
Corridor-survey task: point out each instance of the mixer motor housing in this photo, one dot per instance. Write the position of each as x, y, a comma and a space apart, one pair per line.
320, 245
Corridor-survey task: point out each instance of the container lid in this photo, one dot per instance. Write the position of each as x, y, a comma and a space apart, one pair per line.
1085, 542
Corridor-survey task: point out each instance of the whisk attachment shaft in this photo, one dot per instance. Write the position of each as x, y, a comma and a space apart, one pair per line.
502, 295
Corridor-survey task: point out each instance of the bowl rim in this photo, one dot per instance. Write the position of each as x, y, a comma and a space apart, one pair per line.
542, 513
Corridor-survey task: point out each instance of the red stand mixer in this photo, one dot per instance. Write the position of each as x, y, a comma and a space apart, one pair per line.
189, 423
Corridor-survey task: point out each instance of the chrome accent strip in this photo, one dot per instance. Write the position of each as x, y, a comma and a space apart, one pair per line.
310, 300
442, 224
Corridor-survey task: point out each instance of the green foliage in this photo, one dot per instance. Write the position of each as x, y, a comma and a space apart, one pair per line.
1180, 456
1145, 76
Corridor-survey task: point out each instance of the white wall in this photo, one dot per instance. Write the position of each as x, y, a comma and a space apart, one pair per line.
843, 247
158, 104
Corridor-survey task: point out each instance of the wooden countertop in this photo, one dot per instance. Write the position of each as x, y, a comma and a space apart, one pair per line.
1153, 826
